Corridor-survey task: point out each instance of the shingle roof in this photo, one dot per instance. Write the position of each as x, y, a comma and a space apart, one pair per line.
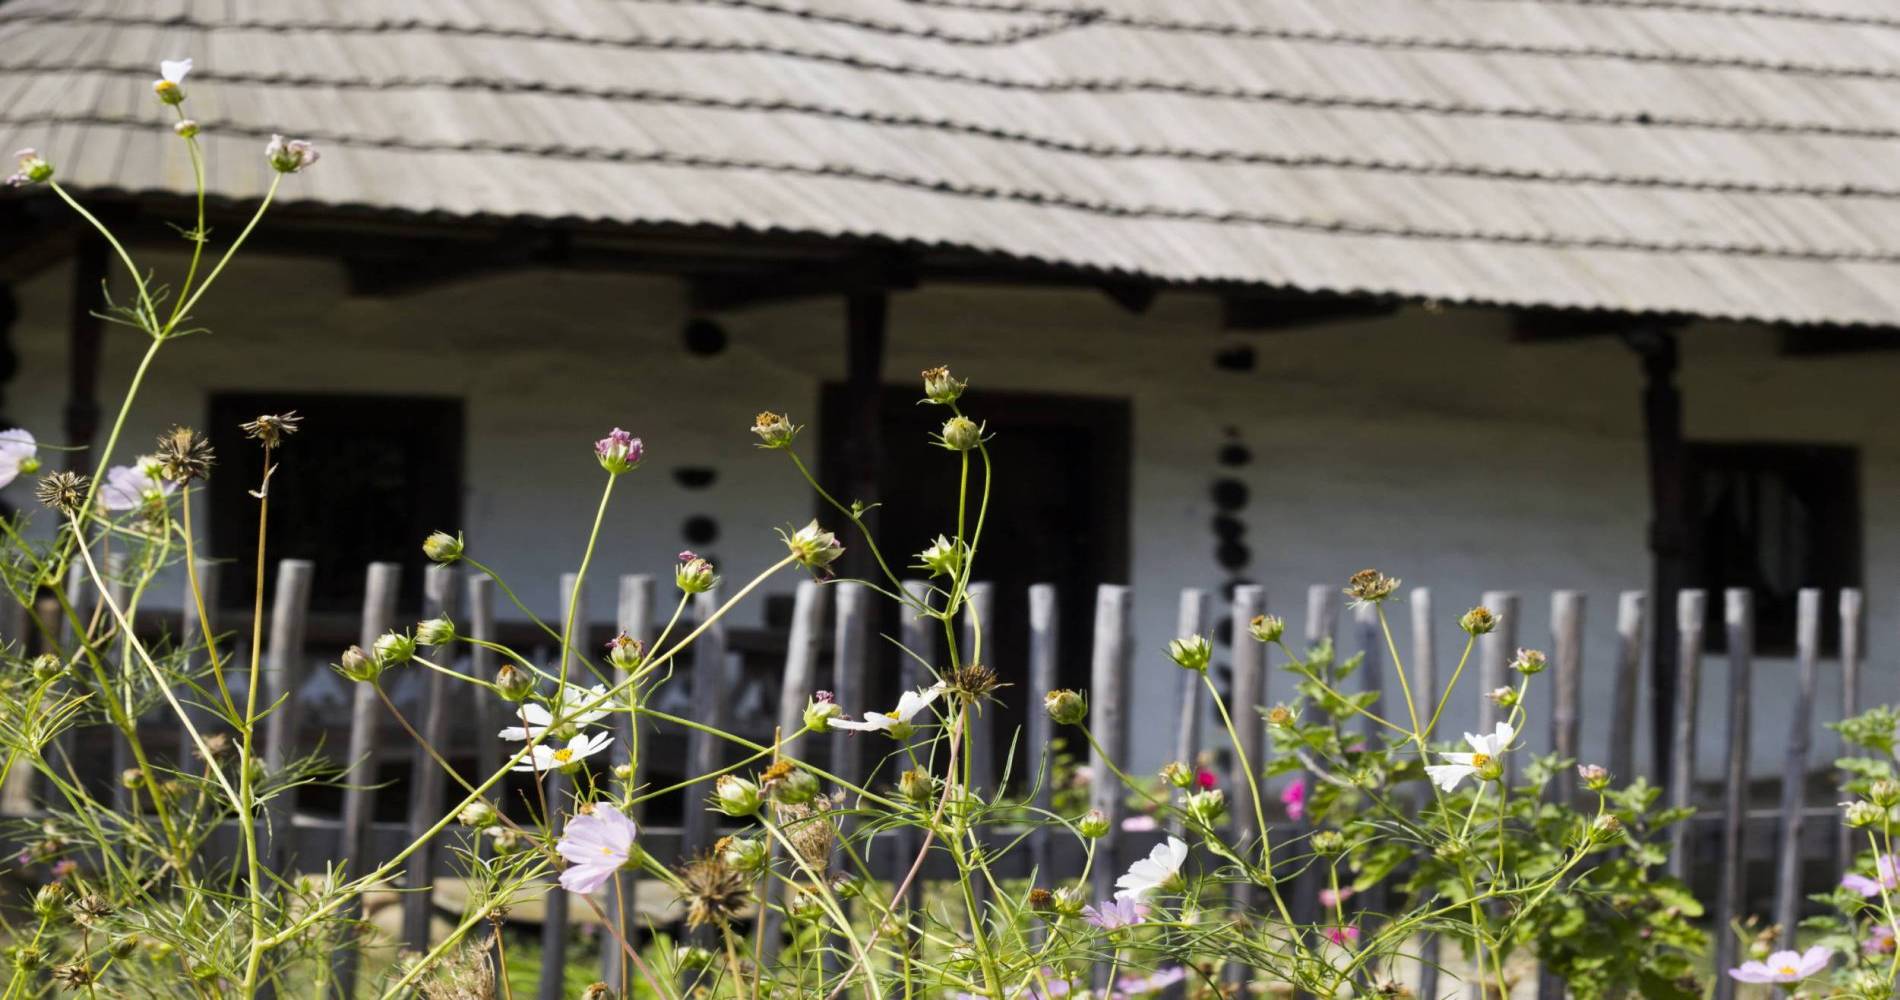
1736, 158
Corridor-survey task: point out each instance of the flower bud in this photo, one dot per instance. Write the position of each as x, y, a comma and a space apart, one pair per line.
131, 779
623, 772
478, 815
963, 958
287, 156
28, 957
813, 547
736, 797
961, 434
795, 788
1503, 697
775, 430
394, 649
506, 841
917, 786
1329, 842
748, 854
625, 652
1191, 652
1478, 621
1065, 707
598, 991
185, 127
1093, 824
512, 682
619, 452
1884, 793
1595, 777
435, 632
47, 667
694, 575
805, 907
1281, 715
1267, 628
820, 710
941, 387
1369, 586
1177, 774
1529, 662
33, 169
1606, 826
1070, 900
48, 900
1206, 808
358, 666
1487, 767
943, 558
1861, 814
442, 547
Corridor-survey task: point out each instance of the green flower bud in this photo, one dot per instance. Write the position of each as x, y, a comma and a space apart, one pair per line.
775, 430
1206, 808
28, 957
1191, 652
1065, 707
131, 779
599, 991
1595, 777
185, 127
917, 786
694, 575
1267, 628
943, 558
747, 854
443, 547
623, 772
1329, 842
1529, 662
1884, 793
795, 788
1093, 824
961, 434
1863, 814
819, 712
736, 797
625, 652
1478, 621
478, 815
513, 682
941, 387
1070, 900
1177, 774
1504, 697
1606, 827
394, 649
506, 841
358, 666
805, 907
48, 900
813, 547
1281, 715
47, 667
435, 632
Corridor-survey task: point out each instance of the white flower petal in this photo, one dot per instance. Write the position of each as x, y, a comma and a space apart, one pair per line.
1447, 776
174, 69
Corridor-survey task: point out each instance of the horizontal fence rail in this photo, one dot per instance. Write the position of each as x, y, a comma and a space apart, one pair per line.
831, 642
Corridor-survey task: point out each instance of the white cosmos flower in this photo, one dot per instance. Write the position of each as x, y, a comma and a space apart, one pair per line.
534, 721
579, 748
18, 454
174, 70
1485, 751
911, 703
1150, 873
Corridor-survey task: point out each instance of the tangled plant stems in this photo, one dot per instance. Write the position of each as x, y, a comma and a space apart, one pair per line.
131, 900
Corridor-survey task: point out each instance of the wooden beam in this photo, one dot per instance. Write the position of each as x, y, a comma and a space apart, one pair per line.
855, 276
1669, 553
1823, 341
1267, 311
84, 345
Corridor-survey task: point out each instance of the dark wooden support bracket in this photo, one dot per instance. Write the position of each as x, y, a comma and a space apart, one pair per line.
867, 315
84, 346
1268, 312
853, 276
1669, 539
385, 269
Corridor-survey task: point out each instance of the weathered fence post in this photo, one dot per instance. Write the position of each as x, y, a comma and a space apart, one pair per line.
1322, 625
1632, 607
1738, 613
1043, 676
634, 617
554, 917
1191, 618
795, 688
1108, 687
426, 777
1425, 684
1566, 630
1691, 611
1496, 649
1852, 636
1794, 775
380, 587
1370, 638
1249, 663
708, 692
283, 674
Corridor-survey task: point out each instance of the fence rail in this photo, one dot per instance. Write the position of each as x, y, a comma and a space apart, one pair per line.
1723, 837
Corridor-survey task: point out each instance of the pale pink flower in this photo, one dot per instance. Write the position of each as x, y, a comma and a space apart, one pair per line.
1293, 797
596, 846
1784, 966
1116, 913
18, 454
1886, 876
132, 487
1879, 940
1140, 823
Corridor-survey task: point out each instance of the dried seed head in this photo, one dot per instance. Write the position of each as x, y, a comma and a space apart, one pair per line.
775, 430
62, 491
714, 892
272, 428
73, 976
1370, 586
89, 909
974, 683
184, 455
1479, 621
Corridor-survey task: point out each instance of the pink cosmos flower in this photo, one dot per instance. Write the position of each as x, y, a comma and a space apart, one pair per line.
1204, 779
1879, 940
1343, 935
1140, 823
1160, 980
1886, 876
1330, 899
1115, 914
1784, 966
131, 487
64, 867
1293, 797
596, 846
619, 451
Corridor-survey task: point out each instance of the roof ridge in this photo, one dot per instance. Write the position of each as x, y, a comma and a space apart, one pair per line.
1274, 220
1081, 17
1318, 161
1100, 85
1742, 9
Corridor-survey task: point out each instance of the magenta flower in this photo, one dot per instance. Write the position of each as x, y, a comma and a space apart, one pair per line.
1115, 914
1879, 940
1205, 779
619, 451
1886, 876
1293, 797
596, 846
1343, 935
1784, 966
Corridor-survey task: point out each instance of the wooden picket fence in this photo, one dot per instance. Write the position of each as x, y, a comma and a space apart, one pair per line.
1723, 833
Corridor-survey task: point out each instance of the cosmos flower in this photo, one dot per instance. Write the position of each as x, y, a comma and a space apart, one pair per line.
1150, 873
897, 722
19, 453
1886, 876
546, 758
132, 487
1293, 797
1115, 914
596, 846
1482, 762
1784, 966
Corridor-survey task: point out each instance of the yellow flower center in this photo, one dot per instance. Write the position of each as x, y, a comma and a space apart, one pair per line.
1480, 759
607, 851
563, 755
1786, 970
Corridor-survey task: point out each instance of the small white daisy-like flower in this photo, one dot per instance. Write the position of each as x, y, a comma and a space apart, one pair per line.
19, 453
546, 758
131, 487
1481, 762
1154, 871
897, 721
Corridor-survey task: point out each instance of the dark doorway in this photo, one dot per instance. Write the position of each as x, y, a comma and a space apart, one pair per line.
1059, 513
365, 479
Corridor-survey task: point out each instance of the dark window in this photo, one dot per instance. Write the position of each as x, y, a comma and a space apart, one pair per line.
1775, 518
365, 479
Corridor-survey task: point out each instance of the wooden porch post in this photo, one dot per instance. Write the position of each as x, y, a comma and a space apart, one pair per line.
85, 339
866, 316
1668, 524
